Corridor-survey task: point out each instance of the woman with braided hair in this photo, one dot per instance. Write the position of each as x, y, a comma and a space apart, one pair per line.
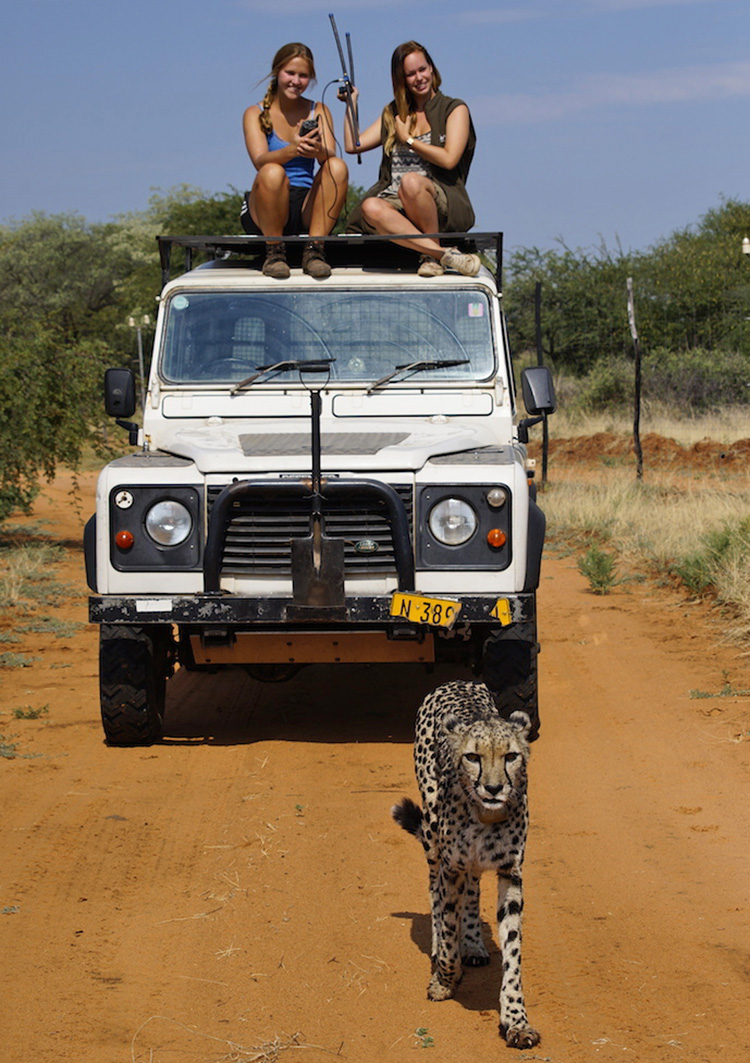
286, 134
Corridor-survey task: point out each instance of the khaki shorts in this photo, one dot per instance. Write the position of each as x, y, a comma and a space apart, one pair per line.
441, 202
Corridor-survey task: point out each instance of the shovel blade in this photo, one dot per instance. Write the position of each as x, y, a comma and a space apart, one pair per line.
318, 571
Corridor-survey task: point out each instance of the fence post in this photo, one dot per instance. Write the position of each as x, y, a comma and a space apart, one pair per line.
637, 395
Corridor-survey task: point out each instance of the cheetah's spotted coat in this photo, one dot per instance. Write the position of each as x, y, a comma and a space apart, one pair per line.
471, 771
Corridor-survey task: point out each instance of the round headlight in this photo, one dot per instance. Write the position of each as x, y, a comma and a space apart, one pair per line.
169, 523
452, 521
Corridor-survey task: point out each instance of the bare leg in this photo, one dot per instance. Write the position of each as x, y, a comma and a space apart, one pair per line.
269, 199
387, 220
327, 196
418, 199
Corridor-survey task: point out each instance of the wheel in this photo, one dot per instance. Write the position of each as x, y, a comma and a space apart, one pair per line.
509, 668
134, 663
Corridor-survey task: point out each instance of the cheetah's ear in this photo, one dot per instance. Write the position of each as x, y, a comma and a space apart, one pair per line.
522, 721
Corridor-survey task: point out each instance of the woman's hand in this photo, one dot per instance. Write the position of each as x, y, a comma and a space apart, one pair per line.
402, 129
354, 92
309, 146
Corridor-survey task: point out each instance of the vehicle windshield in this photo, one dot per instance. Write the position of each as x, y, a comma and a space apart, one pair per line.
224, 337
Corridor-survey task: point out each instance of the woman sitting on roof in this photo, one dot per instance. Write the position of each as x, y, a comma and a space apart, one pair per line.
428, 143
285, 135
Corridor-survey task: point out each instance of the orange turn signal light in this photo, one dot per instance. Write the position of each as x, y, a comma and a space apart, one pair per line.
496, 537
124, 540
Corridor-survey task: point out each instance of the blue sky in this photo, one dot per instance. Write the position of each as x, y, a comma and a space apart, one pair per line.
620, 120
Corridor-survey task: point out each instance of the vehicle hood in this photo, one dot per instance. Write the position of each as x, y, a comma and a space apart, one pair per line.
261, 447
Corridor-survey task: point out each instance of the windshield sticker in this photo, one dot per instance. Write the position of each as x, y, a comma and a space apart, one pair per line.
180, 302
476, 309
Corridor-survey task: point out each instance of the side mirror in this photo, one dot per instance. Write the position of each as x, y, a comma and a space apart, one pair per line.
119, 392
119, 400
538, 390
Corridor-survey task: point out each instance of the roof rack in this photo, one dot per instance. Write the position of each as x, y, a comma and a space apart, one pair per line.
347, 249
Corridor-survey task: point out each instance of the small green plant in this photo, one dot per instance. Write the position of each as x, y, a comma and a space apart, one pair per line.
299, 810
28, 712
17, 660
50, 625
7, 747
599, 568
727, 691
50, 592
423, 1038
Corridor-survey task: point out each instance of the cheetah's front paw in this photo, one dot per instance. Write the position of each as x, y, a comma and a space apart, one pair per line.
437, 991
521, 1036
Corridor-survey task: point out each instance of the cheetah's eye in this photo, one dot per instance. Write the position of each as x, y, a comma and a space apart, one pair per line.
510, 757
472, 758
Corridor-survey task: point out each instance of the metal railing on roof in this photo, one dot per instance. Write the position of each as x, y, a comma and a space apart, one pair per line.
346, 249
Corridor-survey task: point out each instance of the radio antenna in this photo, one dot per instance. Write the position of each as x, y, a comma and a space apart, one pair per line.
351, 109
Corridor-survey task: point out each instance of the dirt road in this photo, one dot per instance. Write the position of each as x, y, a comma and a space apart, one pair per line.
239, 891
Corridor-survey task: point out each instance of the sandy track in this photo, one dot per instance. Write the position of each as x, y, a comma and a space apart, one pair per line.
241, 885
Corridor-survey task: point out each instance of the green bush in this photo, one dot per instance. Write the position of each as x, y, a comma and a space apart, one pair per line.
600, 569
696, 380
608, 385
720, 550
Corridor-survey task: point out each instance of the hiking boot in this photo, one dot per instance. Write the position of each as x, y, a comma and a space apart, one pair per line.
275, 264
429, 267
467, 264
314, 261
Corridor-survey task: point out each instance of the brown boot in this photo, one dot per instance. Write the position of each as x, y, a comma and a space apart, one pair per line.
314, 262
275, 264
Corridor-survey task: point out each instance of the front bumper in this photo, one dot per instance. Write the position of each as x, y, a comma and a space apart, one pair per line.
220, 608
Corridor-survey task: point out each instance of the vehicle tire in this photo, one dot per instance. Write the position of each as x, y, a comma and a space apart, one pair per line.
134, 663
509, 668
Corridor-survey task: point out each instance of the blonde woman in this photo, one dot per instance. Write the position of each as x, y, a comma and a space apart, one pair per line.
428, 143
286, 134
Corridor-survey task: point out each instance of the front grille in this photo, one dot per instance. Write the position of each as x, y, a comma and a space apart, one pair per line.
259, 535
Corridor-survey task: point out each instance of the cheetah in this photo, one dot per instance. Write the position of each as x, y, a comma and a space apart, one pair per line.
471, 770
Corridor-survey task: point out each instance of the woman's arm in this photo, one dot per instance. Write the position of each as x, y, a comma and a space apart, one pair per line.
447, 156
256, 142
368, 138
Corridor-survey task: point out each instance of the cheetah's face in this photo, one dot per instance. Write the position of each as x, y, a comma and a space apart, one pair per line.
490, 759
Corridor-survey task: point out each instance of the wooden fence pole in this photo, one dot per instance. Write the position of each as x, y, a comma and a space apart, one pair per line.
637, 390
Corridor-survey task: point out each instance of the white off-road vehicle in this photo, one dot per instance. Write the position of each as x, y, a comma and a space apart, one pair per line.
326, 472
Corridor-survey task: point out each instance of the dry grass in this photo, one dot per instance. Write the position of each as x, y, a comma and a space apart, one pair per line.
660, 527
725, 427
269, 1052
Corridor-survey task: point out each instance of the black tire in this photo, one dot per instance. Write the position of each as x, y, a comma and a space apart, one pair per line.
134, 663
509, 668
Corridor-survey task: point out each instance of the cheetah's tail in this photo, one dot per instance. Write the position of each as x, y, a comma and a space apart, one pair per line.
408, 815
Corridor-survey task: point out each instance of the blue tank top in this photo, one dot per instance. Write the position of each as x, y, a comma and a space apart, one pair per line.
299, 170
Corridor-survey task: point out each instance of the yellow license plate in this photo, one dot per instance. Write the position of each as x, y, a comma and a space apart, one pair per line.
421, 609
501, 612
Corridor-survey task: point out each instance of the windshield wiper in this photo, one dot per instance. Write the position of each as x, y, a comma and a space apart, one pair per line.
319, 366
416, 367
